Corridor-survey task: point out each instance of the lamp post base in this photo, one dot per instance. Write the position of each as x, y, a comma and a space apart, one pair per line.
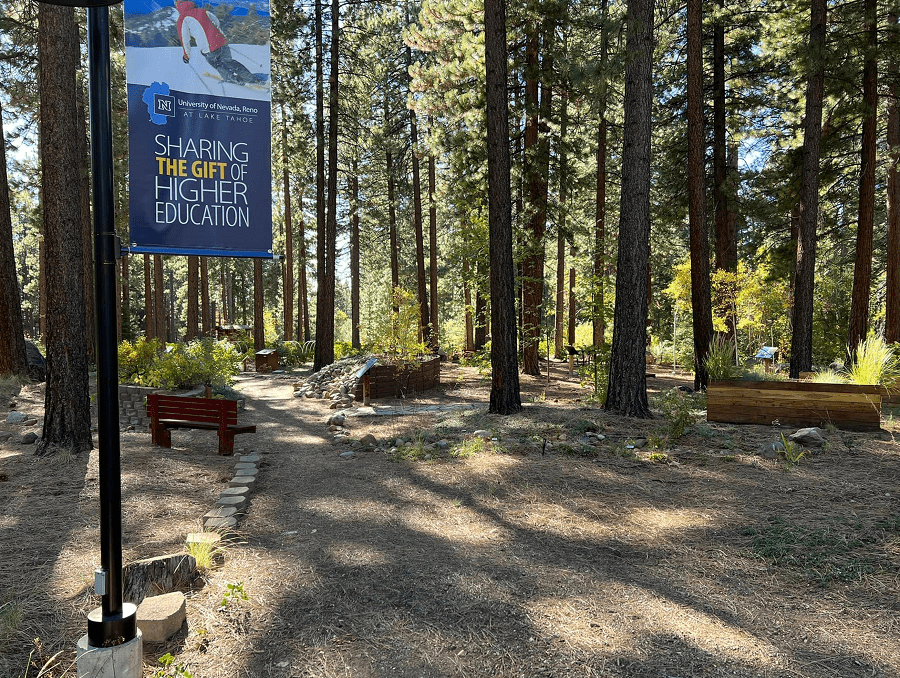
120, 661
112, 630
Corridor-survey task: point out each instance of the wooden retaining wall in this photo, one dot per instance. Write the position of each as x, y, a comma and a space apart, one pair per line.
387, 381
850, 407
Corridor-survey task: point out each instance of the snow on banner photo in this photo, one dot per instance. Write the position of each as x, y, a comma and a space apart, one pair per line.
199, 127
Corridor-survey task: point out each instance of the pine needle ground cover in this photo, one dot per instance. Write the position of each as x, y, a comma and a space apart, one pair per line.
650, 551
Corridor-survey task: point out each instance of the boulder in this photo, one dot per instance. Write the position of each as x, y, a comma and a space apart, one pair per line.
36, 365
481, 433
368, 439
809, 437
29, 438
161, 617
15, 418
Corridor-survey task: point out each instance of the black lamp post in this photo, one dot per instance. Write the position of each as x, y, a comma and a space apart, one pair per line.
114, 623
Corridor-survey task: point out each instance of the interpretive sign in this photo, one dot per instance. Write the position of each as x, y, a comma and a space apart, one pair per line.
199, 123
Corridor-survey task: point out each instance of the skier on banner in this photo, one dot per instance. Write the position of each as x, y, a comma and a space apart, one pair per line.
203, 27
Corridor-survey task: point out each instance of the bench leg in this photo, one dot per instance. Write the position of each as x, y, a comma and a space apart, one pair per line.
161, 436
226, 443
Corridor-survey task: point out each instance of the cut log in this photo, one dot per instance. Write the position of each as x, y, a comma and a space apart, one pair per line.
155, 576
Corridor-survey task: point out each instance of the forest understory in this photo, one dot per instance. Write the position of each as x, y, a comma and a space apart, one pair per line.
531, 555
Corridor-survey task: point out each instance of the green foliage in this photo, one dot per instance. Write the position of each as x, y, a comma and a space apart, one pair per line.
343, 349
677, 408
720, 359
136, 359
837, 551
793, 452
202, 361
204, 553
876, 363
233, 592
396, 334
171, 669
469, 448
595, 373
295, 352
828, 377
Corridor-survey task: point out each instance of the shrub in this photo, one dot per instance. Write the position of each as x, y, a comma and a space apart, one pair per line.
294, 352
720, 360
876, 363
396, 334
677, 409
137, 358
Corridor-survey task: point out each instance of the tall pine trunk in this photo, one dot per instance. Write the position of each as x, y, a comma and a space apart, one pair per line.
862, 271
87, 230
259, 326
320, 170
149, 322
354, 256
467, 298
12, 331
804, 275
432, 255
205, 310
302, 292
392, 228
701, 305
627, 390
193, 298
421, 285
288, 295
67, 417
159, 312
892, 292
505, 397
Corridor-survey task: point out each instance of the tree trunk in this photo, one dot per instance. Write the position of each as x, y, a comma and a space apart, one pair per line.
701, 305
726, 244
804, 276
505, 397
421, 285
862, 271
892, 292
354, 256
302, 294
392, 228
149, 322
599, 322
125, 304
320, 160
467, 297
87, 230
193, 298
627, 391
205, 310
288, 296
159, 312
572, 303
432, 254
12, 331
560, 311
480, 325
324, 354
67, 416
259, 324
536, 152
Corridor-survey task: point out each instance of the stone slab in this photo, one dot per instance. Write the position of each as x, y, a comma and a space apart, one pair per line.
220, 524
235, 491
236, 502
244, 466
249, 458
202, 538
242, 481
220, 512
246, 471
161, 617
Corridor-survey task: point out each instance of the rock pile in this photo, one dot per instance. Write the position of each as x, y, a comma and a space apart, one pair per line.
336, 382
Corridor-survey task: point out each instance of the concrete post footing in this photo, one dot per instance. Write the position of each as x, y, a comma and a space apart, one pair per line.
121, 661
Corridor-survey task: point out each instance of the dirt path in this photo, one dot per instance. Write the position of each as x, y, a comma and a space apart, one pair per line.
532, 556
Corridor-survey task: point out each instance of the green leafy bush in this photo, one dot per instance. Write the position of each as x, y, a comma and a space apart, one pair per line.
396, 334
203, 361
343, 349
136, 359
677, 408
294, 352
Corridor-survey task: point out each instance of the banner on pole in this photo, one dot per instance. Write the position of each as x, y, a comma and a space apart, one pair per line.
199, 124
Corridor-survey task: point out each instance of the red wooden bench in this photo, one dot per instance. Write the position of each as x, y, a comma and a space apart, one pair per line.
212, 414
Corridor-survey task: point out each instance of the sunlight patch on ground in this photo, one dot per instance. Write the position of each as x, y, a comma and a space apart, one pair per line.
353, 554
658, 521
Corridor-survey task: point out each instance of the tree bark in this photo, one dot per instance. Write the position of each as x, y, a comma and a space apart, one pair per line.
701, 304
324, 353
726, 244
804, 276
627, 390
421, 285
467, 298
87, 227
193, 298
259, 324
354, 256
159, 312
67, 418
302, 293
432, 255
392, 226
205, 310
599, 322
12, 331
480, 320
505, 397
149, 322
288, 296
862, 271
892, 292
125, 303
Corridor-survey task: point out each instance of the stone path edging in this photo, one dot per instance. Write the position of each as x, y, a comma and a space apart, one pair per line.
233, 500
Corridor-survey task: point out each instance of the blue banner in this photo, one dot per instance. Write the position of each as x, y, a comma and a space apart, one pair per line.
199, 122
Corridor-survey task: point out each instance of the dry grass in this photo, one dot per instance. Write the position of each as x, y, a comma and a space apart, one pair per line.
572, 562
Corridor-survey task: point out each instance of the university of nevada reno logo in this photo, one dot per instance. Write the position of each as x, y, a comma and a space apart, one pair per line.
160, 104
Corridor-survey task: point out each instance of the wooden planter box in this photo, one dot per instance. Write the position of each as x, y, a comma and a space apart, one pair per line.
850, 407
388, 381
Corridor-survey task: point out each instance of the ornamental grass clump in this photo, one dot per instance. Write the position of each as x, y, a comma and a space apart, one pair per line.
875, 363
720, 360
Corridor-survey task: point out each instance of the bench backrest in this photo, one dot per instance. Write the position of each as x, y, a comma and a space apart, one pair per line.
180, 408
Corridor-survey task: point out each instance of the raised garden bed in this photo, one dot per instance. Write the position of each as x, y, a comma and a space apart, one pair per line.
850, 407
392, 381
